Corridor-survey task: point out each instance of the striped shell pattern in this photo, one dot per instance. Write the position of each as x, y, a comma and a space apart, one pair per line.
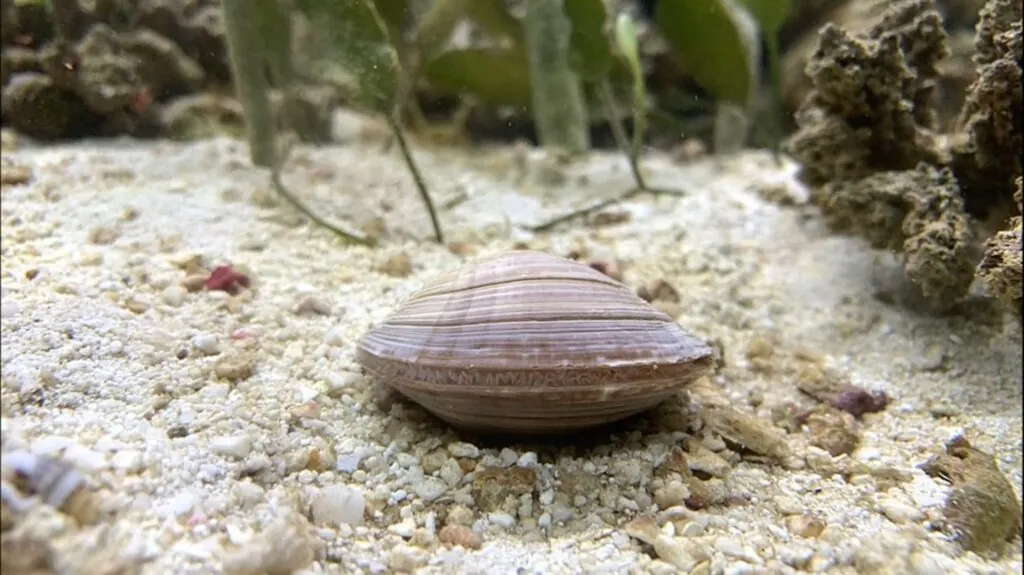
527, 342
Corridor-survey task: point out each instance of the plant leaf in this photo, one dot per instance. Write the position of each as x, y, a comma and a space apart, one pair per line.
770, 14
362, 47
713, 42
498, 76
591, 52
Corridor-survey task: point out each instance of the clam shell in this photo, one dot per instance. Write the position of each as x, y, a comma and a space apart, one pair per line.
528, 342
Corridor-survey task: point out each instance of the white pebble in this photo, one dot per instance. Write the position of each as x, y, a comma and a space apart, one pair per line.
430, 489
335, 336
404, 529
338, 504
174, 295
450, 472
502, 519
84, 458
247, 493
348, 463
528, 459
461, 449
182, 503
735, 549
508, 457
9, 309
237, 446
794, 556
206, 343
899, 512
129, 460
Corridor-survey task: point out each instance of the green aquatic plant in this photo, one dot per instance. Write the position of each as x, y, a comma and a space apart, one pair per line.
558, 109
246, 22
365, 37
718, 43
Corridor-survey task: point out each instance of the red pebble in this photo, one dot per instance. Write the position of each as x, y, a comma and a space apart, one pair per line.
227, 279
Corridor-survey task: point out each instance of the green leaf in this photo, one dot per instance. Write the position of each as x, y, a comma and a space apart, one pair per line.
715, 42
770, 14
361, 46
591, 56
394, 12
498, 76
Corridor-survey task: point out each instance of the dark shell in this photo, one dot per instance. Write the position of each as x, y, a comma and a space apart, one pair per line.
528, 342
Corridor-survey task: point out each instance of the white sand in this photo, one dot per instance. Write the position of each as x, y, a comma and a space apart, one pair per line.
90, 368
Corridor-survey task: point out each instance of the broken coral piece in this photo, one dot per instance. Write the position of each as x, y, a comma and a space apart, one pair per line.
982, 510
988, 149
871, 107
918, 212
1000, 268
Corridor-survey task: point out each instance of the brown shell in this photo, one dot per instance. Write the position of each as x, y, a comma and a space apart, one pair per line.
528, 342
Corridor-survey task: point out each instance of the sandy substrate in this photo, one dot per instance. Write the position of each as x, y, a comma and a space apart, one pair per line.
210, 427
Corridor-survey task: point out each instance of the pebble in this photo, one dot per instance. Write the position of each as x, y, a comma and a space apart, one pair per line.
899, 512
461, 449
404, 529
338, 505
430, 489
237, 446
9, 309
348, 463
794, 555
460, 535
407, 558
502, 519
450, 472
206, 343
174, 295
335, 336
129, 460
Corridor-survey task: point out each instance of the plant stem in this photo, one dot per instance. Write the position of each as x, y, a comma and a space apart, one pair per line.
619, 132
420, 185
245, 51
279, 187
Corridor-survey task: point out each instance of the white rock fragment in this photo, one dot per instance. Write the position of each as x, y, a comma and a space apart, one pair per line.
348, 463
174, 295
430, 489
9, 309
461, 449
528, 459
339, 383
736, 550
405, 558
451, 473
335, 336
129, 461
404, 529
338, 505
84, 458
247, 493
899, 512
182, 504
501, 519
237, 446
794, 555
285, 547
206, 343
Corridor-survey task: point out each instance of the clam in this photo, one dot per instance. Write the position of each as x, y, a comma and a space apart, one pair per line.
531, 343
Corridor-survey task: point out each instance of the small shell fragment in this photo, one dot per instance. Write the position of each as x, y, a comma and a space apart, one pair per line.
532, 343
